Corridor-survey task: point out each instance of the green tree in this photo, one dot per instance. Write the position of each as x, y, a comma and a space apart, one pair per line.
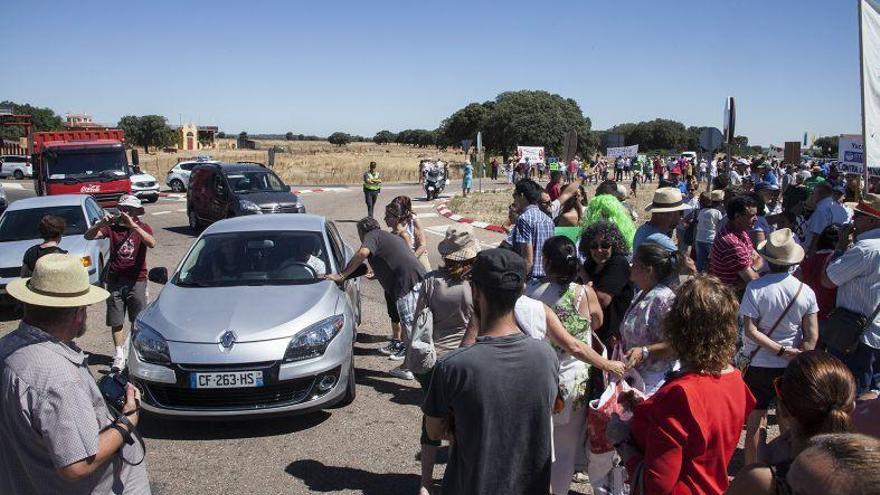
289, 136
43, 119
465, 123
131, 125
339, 138
243, 135
154, 131
384, 137
221, 135
828, 145
535, 118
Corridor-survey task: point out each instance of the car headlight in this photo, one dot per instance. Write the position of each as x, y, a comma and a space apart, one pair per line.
248, 206
301, 208
313, 341
150, 346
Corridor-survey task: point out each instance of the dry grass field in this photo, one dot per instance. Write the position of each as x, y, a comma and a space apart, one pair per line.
315, 162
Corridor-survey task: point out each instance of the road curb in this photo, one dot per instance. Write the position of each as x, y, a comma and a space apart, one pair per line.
444, 210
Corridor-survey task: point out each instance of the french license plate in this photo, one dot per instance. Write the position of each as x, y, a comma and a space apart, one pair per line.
227, 379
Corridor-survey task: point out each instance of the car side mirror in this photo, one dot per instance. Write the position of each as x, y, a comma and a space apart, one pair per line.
158, 275
287, 187
358, 272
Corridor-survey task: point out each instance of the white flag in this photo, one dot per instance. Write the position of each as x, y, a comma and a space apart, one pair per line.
870, 26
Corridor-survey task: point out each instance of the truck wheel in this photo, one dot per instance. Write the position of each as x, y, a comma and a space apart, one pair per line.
177, 185
18, 174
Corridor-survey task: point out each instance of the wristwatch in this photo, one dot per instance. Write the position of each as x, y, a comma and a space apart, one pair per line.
645, 352
126, 432
781, 351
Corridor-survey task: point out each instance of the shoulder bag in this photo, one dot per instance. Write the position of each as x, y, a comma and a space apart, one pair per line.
843, 329
745, 361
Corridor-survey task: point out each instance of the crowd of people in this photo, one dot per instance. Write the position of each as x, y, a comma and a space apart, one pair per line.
587, 346
724, 305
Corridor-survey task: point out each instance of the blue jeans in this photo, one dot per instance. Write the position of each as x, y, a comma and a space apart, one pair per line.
703, 249
864, 362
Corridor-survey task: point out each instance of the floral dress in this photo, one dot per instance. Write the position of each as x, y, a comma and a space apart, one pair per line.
573, 373
642, 326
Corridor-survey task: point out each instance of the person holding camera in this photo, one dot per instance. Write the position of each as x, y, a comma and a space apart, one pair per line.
57, 431
126, 275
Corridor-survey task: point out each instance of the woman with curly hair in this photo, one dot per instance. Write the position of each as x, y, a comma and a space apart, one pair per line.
607, 267
609, 208
681, 439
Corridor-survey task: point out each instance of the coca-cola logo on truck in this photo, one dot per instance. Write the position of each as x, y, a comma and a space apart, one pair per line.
90, 189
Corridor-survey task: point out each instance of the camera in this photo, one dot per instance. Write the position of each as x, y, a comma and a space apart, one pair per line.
113, 389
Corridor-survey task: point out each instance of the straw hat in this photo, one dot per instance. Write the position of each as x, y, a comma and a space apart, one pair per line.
58, 281
667, 199
780, 248
716, 195
869, 205
460, 243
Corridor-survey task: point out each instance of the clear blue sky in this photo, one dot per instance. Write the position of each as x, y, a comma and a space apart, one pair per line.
355, 66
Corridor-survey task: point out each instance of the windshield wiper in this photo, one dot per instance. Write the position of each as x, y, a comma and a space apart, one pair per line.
181, 283
71, 180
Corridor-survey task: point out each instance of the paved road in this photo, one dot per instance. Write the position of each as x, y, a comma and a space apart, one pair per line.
368, 447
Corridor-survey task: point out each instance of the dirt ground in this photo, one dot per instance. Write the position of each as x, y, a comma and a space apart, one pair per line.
315, 162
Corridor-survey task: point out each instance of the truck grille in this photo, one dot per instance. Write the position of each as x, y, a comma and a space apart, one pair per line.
107, 197
271, 395
10, 272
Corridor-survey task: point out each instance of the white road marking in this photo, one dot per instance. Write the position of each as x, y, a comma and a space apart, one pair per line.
12, 185
422, 207
437, 230
428, 215
161, 212
182, 210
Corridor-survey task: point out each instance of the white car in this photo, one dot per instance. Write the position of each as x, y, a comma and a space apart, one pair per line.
19, 231
145, 187
178, 177
18, 166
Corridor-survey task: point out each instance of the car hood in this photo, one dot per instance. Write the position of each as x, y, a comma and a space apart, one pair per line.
254, 313
142, 178
280, 198
12, 252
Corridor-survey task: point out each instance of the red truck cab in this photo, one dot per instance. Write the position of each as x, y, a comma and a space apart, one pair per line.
82, 162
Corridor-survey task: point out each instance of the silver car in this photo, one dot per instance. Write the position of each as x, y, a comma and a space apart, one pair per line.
247, 324
18, 232
178, 177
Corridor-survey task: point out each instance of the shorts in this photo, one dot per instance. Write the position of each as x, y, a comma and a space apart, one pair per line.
125, 296
391, 308
760, 382
406, 310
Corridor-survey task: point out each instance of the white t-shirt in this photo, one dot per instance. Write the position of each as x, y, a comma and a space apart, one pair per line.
764, 301
827, 212
530, 317
707, 224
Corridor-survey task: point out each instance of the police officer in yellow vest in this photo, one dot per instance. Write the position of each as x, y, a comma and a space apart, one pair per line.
372, 185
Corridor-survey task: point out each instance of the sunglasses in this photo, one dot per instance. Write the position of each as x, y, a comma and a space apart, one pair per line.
600, 245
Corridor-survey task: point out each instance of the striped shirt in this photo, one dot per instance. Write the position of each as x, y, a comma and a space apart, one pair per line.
533, 227
731, 254
857, 277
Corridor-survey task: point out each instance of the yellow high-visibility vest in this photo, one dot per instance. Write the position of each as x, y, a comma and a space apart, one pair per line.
369, 186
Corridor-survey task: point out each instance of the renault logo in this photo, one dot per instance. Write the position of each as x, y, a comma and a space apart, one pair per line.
227, 340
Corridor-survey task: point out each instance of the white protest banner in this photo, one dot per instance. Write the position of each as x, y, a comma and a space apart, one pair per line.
623, 151
870, 44
535, 154
851, 156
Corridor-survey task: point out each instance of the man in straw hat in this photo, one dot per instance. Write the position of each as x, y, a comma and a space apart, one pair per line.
126, 277
57, 432
779, 315
855, 271
666, 209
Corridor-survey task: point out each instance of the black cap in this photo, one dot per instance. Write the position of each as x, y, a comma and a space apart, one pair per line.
499, 268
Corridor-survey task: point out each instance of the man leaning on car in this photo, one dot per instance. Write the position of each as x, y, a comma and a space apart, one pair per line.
127, 267
57, 433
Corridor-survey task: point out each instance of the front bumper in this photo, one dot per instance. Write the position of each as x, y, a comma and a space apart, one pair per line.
148, 192
287, 387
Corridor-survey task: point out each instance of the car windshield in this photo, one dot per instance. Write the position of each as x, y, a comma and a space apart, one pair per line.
20, 225
249, 182
79, 164
254, 258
